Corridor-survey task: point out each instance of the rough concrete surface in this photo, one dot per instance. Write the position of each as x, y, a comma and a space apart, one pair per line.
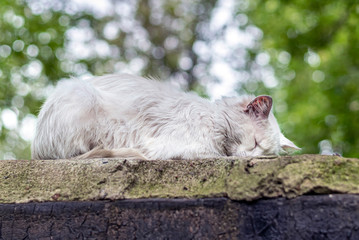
237, 179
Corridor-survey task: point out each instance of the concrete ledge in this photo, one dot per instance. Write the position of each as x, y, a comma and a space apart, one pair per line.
25, 181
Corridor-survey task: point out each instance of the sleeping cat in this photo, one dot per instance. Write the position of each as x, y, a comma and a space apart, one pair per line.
133, 117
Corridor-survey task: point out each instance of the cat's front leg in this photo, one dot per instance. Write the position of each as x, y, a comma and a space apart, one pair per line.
100, 152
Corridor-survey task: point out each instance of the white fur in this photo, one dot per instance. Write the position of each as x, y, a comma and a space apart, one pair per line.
152, 118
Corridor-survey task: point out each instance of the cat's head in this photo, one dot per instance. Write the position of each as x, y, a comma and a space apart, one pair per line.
252, 129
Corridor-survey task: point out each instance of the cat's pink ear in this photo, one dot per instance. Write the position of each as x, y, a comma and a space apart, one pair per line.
260, 106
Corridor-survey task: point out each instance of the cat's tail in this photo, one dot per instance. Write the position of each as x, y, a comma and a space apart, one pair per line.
100, 152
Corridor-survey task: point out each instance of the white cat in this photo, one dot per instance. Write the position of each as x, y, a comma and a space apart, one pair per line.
133, 117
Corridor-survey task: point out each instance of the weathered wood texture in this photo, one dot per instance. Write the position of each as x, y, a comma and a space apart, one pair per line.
237, 179
304, 217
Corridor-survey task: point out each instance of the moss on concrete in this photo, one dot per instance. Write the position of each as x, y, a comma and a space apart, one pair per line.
238, 179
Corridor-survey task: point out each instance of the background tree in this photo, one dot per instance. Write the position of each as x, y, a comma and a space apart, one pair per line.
314, 47
304, 54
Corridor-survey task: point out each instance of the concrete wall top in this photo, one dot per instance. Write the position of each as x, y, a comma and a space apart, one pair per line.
24, 181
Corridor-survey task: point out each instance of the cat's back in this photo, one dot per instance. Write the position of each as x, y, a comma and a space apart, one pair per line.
123, 84
111, 93
125, 95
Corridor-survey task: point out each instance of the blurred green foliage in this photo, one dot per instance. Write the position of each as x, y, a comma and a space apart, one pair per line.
322, 98
303, 53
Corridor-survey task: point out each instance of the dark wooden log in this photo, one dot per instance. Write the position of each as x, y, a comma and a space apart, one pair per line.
304, 217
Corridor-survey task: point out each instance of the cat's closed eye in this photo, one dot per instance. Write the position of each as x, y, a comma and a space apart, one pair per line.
255, 145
